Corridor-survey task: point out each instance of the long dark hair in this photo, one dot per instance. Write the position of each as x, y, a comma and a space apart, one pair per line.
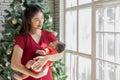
27, 15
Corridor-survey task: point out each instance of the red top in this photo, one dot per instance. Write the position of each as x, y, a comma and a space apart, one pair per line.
29, 46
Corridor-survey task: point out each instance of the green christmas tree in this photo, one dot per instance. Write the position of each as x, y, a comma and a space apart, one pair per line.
11, 25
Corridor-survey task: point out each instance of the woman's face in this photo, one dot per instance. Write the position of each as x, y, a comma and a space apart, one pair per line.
37, 21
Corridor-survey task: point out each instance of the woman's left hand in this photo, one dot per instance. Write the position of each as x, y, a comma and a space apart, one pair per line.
40, 62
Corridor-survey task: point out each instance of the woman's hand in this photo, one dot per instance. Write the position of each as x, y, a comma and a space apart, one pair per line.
40, 62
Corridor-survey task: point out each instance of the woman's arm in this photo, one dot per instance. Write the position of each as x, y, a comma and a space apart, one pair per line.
16, 63
42, 60
54, 57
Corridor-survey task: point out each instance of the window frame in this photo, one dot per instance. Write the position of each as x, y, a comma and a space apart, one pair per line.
94, 5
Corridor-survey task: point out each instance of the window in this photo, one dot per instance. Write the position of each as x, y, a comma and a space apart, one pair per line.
108, 42
71, 29
92, 37
84, 30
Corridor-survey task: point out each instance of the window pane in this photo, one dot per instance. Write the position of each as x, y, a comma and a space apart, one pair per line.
73, 67
109, 19
99, 20
105, 19
85, 30
99, 70
71, 62
84, 69
117, 48
106, 71
118, 73
84, 1
71, 3
117, 19
109, 51
67, 65
70, 32
99, 46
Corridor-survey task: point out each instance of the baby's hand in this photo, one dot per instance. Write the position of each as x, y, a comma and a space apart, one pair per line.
41, 52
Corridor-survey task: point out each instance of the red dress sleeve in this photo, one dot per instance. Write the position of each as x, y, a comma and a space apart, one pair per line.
52, 37
20, 41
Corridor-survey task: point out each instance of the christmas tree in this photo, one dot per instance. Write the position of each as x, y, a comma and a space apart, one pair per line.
11, 26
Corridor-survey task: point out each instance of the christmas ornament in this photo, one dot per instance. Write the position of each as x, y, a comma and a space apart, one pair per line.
8, 52
55, 78
9, 77
7, 64
14, 21
50, 19
53, 68
1, 65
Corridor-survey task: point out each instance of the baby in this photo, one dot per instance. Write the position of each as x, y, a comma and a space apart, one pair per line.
53, 48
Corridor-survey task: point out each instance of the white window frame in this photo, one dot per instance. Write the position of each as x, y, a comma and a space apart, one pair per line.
94, 6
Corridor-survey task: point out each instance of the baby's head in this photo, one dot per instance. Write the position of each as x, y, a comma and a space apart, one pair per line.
59, 46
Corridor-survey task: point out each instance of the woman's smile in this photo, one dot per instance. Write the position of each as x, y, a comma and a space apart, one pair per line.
40, 25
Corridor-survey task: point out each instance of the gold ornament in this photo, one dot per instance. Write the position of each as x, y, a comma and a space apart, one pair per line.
8, 52
55, 78
53, 68
1, 65
14, 21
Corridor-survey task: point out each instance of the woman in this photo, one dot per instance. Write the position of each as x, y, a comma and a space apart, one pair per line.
30, 39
